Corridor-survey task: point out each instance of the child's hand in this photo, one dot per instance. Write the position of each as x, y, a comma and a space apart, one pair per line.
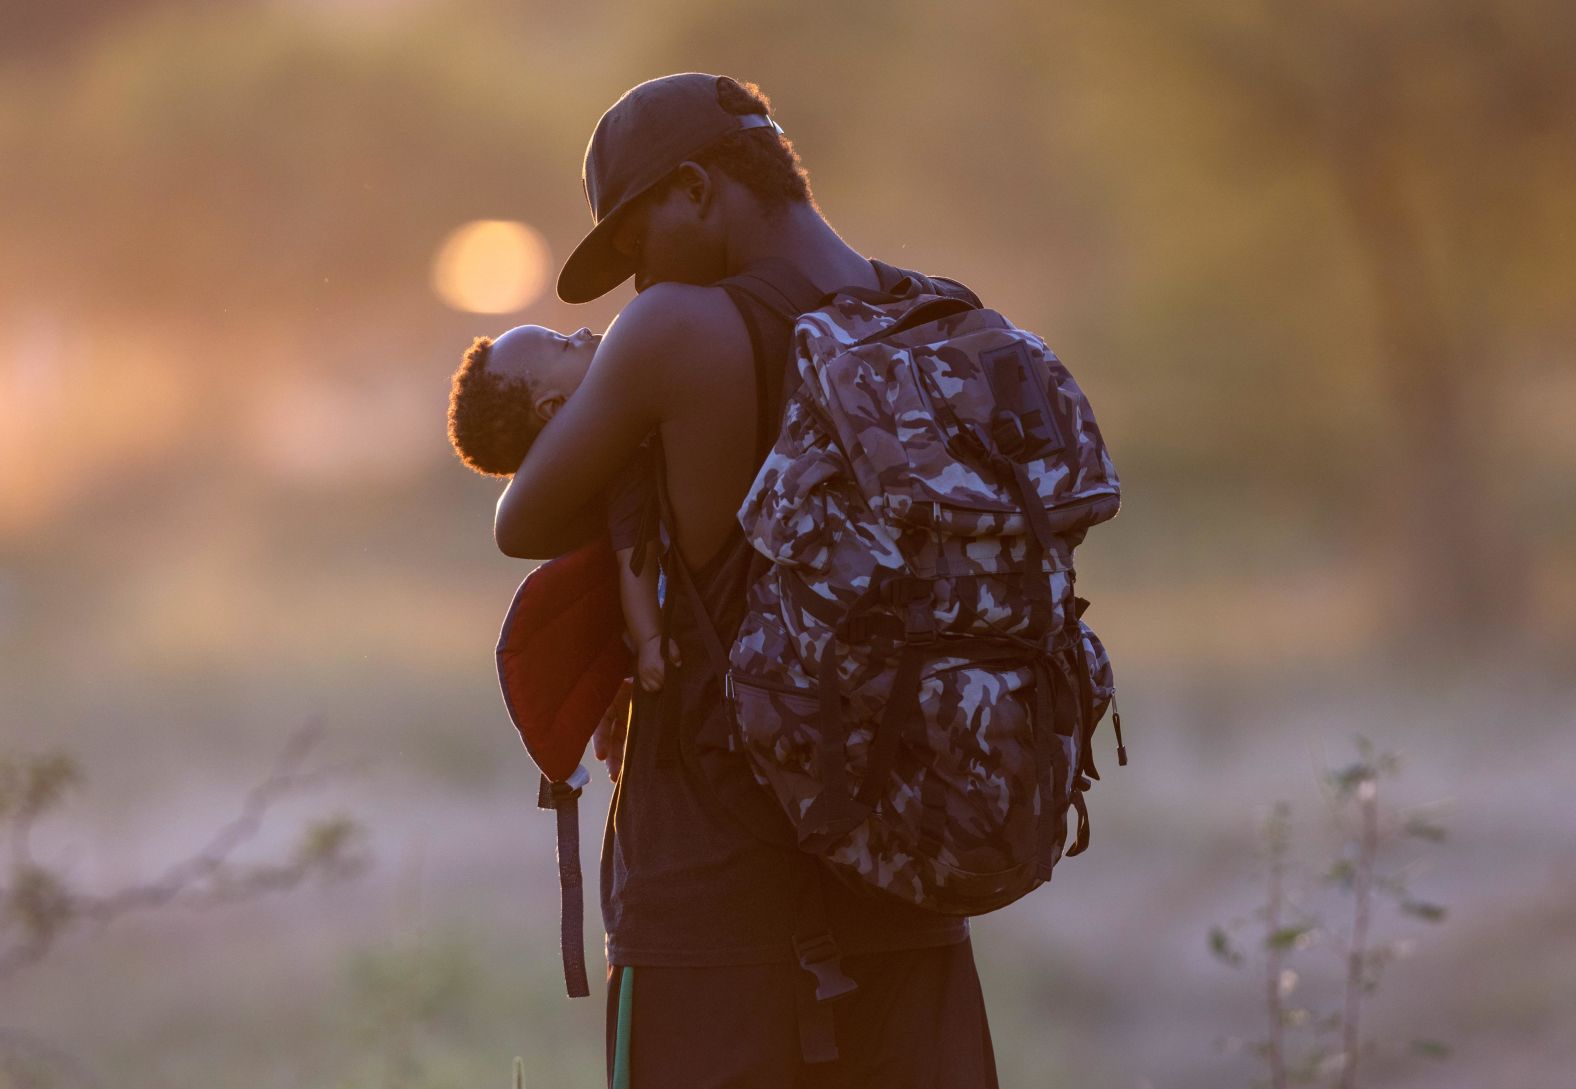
649, 666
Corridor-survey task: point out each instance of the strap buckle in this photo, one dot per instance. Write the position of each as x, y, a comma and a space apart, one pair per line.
919, 623
818, 954
551, 795
1006, 428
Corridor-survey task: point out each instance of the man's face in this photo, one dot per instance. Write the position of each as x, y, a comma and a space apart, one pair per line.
673, 234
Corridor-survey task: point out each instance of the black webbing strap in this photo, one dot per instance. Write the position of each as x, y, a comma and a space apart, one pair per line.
667, 740
903, 718
902, 704
1116, 723
564, 800
817, 1025
1036, 587
1083, 667
1041, 538
835, 810
802, 597
1072, 706
1086, 691
715, 654
932, 813
1033, 506
780, 287
1081, 840
1051, 769
644, 531
785, 291
768, 413
817, 953
770, 289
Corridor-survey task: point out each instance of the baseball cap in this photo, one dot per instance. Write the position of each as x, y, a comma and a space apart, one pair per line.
642, 137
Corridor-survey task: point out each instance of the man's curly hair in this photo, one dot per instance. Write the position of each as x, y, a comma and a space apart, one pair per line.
763, 160
491, 420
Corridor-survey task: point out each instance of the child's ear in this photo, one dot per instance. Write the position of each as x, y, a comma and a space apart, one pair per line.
547, 404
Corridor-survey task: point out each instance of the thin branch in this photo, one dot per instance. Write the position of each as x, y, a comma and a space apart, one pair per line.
1275, 960
1357, 951
49, 907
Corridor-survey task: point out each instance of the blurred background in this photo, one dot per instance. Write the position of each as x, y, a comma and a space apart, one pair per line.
1312, 264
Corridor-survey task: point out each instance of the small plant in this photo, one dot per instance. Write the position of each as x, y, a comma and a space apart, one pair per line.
1302, 1045
409, 1002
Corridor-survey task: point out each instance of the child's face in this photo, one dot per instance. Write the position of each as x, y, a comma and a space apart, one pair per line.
548, 361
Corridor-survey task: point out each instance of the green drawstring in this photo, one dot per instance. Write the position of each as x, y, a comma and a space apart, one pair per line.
626, 1012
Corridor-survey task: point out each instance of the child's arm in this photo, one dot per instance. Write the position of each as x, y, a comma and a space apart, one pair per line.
642, 618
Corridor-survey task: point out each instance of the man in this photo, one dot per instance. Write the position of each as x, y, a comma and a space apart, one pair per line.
719, 932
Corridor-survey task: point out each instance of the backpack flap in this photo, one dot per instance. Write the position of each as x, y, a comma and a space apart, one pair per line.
938, 417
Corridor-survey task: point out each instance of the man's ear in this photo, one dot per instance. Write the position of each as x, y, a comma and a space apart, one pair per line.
696, 183
547, 404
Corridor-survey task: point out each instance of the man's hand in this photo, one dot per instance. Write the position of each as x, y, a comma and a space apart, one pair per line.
607, 743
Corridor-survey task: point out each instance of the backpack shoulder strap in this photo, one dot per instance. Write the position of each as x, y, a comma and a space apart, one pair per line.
769, 297
902, 281
769, 289
715, 651
778, 286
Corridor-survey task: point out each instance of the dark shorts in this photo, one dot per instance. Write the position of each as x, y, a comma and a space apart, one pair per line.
916, 1021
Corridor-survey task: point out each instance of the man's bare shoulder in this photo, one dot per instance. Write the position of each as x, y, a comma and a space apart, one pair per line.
680, 321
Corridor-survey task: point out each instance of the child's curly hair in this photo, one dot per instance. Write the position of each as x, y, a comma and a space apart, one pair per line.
491, 420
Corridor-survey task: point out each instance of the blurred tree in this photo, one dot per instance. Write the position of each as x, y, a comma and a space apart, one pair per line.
277, 171
1290, 252
1435, 128
35, 33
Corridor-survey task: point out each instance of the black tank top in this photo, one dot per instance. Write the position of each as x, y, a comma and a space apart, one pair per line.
683, 883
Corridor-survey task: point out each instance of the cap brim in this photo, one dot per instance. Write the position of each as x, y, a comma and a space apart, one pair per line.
595, 267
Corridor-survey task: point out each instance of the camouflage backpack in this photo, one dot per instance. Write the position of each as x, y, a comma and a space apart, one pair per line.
912, 680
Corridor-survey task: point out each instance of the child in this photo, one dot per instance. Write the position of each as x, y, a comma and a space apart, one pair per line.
504, 391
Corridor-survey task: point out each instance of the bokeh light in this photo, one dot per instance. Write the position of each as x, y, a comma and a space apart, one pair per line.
491, 266
75, 407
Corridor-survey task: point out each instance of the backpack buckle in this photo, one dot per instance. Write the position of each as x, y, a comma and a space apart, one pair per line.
919, 623
818, 954
1006, 429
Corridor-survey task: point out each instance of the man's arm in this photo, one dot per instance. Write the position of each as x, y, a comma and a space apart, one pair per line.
554, 501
